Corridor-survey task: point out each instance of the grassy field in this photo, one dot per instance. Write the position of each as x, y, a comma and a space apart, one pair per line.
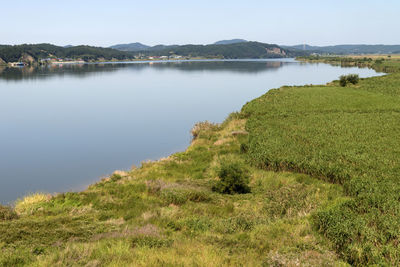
323, 163
383, 63
165, 214
344, 135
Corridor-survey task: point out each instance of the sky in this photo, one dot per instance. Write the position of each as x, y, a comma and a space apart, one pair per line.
283, 22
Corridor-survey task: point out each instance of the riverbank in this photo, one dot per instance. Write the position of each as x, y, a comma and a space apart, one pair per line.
342, 207
165, 212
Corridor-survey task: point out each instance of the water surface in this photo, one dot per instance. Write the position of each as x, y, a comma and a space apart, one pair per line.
63, 127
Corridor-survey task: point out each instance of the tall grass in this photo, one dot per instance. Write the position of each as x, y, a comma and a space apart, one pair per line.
349, 136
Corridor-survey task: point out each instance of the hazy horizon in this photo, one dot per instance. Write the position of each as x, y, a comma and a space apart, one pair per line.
161, 43
287, 22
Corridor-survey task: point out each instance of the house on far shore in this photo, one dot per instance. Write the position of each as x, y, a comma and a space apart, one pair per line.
17, 64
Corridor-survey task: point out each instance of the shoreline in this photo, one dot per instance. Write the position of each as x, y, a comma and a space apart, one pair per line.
105, 176
77, 62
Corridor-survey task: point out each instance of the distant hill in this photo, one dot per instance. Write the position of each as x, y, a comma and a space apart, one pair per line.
135, 47
34, 52
233, 41
236, 48
349, 49
232, 51
31, 53
161, 47
131, 47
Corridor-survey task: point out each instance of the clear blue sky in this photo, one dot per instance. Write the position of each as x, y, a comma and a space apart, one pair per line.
108, 22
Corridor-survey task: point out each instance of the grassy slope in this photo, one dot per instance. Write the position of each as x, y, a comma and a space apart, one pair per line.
164, 213
349, 136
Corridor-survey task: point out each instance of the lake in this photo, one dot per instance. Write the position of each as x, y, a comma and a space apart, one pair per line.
63, 127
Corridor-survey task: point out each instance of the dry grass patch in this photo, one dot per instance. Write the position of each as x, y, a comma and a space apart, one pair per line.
30, 203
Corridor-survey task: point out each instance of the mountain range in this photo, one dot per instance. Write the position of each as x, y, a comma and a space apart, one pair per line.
227, 49
306, 49
134, 47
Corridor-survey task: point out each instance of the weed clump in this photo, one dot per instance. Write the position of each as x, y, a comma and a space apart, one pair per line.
31, 203
179, 196
234, 178
6, 213
204, 128
151, 242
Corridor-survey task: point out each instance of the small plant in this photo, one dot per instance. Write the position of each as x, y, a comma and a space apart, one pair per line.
6, 213
244, 148
203, 128
115, 177
234, 178
151, 242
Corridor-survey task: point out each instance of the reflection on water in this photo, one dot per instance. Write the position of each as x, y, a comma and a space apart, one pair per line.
83, 70
62, 127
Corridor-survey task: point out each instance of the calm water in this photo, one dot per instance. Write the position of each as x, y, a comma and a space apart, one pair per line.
61, 128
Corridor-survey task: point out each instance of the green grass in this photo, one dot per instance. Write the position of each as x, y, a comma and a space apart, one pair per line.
166, 214
348, 136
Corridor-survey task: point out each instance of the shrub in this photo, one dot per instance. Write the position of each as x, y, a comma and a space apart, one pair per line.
234, 178
351, 78
6, 213
244, 148
343, 81
115, 177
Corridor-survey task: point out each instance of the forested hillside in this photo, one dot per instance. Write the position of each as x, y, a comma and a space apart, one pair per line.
235, 50
12, 53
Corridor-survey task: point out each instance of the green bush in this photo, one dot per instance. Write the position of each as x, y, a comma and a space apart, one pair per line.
6, 213
234, 178
343, 81
351, 78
